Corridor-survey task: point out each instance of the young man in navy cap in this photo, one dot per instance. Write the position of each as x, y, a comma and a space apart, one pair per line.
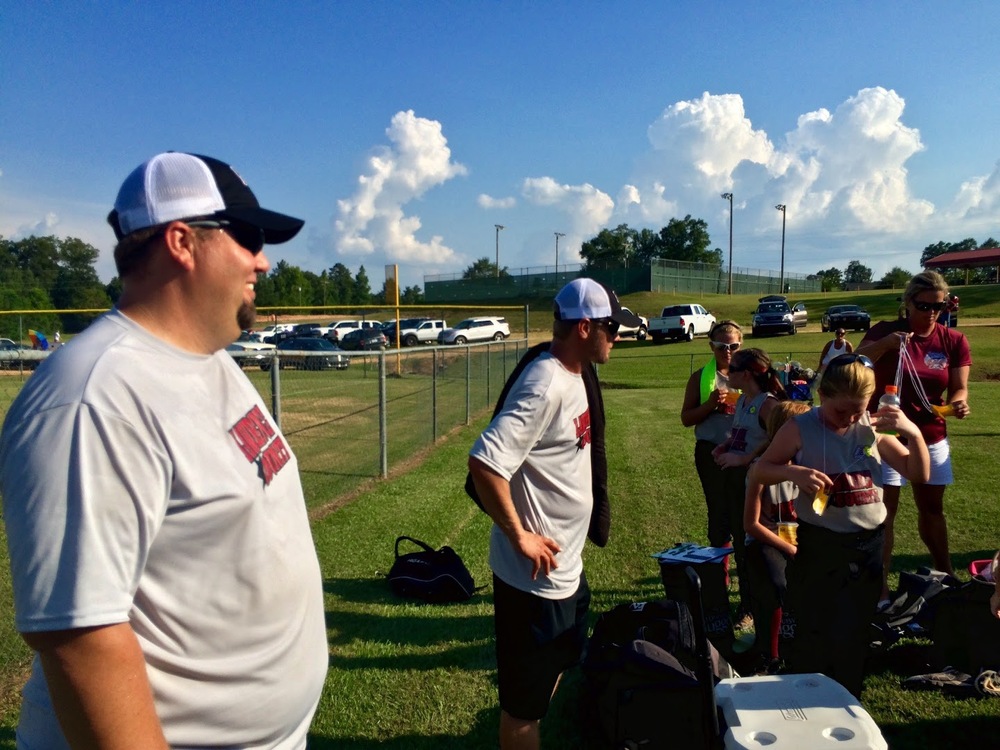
532, 471
162, 561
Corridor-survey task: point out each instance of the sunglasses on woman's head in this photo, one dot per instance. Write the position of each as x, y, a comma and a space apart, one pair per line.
722, 345
848, 359
928, 306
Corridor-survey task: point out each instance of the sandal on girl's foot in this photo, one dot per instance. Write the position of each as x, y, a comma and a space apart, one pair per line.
988, 683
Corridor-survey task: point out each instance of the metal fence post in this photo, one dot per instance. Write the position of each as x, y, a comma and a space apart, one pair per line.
489, 359
434, 395
383, 430
276, 390
468, 385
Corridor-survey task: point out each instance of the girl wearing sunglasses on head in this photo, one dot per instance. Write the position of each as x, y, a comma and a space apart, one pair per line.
941, 360
750, 371
834, 457
708, 406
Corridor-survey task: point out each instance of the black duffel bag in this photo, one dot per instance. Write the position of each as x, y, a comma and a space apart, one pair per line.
437, 576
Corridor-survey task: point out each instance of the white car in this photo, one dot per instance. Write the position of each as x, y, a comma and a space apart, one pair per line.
251, 352
638, 331
476, 329
269, 331
339, 327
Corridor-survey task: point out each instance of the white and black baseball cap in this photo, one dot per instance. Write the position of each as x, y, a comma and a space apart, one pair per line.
174, 186
588, 299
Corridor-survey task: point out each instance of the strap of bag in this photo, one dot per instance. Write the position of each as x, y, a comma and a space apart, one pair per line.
417, 542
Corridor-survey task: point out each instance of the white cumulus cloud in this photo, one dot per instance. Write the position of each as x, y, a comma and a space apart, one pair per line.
488, 201
373, 219
588, 208
840, 171
40, 228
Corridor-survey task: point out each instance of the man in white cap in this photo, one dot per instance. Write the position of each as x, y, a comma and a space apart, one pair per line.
532, 471
162, 561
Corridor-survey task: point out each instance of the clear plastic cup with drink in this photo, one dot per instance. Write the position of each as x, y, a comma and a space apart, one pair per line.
789, 531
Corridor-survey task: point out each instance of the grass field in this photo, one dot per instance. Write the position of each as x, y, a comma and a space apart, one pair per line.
406, 675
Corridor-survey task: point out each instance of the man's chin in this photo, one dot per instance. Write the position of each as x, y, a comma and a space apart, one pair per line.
246, 316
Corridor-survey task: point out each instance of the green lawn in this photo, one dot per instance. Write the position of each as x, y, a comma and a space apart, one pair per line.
420, 676
413, 676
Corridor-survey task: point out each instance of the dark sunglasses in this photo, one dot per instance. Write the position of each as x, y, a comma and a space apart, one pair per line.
928, 306
244, 235
611, 326
722, 346
848, 359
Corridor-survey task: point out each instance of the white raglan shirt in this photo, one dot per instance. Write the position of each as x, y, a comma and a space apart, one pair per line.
540, 443
148, 485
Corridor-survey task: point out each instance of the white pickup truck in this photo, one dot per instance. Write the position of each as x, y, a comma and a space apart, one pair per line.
681, 322
418, 331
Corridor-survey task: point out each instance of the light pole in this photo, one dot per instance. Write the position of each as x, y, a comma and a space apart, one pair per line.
558, 235
781, 277
499, 227
729, 197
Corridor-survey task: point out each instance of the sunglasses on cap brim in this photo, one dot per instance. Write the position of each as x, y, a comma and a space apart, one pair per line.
245, 235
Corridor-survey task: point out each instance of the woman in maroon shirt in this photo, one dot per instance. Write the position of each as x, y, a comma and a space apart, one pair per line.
941, 359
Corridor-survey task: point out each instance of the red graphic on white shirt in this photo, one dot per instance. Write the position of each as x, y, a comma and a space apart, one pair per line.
582, 430
258, 441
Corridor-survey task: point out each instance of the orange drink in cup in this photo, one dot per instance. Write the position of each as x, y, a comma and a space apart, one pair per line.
820, 501
944, 411
731, 397
789, 531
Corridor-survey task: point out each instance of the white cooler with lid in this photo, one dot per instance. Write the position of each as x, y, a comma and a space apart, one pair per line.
795, 711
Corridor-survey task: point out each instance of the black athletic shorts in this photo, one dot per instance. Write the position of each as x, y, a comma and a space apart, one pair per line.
537, 640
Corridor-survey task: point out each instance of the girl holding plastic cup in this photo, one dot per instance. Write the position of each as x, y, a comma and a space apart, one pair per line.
709, 405
834, 455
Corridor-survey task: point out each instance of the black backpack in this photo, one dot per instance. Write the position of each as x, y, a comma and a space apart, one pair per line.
650, 674
436, 576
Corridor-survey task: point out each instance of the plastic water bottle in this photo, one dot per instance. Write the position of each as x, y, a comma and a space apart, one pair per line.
889, 398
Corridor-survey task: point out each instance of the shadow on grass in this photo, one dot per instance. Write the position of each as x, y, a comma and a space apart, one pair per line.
959, 560
943, 734
482, 734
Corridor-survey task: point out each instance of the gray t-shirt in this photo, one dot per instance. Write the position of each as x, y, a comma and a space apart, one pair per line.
852, 461
148, 485
540, 443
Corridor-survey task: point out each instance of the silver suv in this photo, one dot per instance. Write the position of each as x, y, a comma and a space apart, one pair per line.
476, 329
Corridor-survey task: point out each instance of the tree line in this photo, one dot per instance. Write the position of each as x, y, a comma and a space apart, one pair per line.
857, 274
52, 273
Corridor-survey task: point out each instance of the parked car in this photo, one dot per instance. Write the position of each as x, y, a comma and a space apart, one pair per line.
476, 329
845, 316
639, 331
310, 329
680, 322
311, 353
266, 335
773, 315
338, 328
800, 316
251, 353
364, 338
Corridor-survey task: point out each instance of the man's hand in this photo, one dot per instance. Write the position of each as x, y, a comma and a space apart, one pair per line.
541, 550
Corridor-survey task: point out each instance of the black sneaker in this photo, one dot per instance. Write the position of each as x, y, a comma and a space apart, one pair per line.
948, 680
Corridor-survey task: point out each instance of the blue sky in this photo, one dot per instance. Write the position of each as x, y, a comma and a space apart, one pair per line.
402, 132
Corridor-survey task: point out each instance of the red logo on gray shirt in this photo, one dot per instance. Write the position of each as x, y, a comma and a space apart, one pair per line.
260, 443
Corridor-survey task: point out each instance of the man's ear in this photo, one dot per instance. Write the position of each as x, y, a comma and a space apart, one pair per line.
181, 241
585, 328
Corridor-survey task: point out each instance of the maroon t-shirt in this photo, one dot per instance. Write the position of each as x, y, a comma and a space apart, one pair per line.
934, 356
